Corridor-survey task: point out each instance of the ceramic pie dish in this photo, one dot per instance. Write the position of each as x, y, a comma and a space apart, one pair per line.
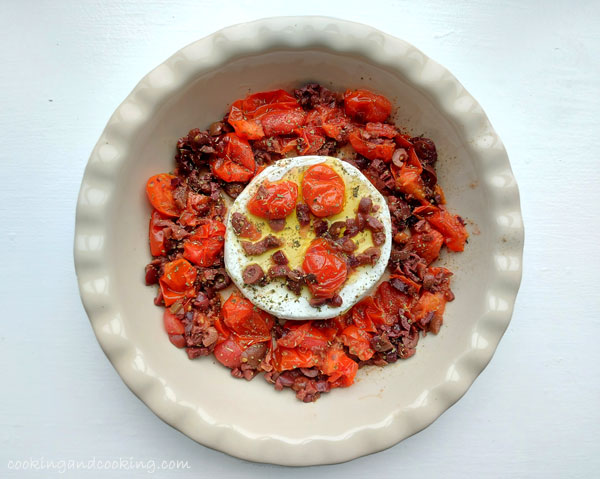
249, 419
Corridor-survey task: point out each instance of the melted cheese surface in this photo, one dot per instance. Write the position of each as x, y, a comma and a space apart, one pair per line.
274, 297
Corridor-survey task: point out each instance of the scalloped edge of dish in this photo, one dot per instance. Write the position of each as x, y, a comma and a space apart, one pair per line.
299, 33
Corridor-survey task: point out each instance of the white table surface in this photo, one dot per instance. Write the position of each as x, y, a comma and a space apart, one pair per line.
535, 69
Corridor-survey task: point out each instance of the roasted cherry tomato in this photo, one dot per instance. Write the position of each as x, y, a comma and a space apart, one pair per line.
157, 235
177, 340
177, 281
454, 231
358, 342
339, 367
173, 324
196, 208
408, 176
427, 244
235, 161
274, 201
305, 335
376, 148
276, 144
381, 130
329, 269
285, 359
333, 122
309, 140
160, 193
294, 333
366, 106
430, 308
246, 320
245, 115
340, 322
323, 190
367, 314
229, 352
205, 245
282, 122
392, 302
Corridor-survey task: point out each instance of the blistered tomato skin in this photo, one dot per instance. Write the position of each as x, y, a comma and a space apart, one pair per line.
274, 201
159, 189
326, 265
366, 106
204, 247
323, 191
156, 235
177, 281
234, 162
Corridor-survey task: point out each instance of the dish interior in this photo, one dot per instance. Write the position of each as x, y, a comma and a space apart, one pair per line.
262, 411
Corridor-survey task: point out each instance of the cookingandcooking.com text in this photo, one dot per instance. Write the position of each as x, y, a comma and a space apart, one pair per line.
97, 464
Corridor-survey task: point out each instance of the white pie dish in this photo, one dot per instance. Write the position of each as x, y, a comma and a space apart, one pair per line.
251, 420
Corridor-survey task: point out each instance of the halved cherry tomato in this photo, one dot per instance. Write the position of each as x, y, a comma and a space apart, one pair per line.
408, 177
323, 190
291, 358
330, 270
379, 130
372, 149
274, 201
334, 122
427, 245
367, 314
282, 122
358, 342
177, 340
339, 367
221, 328
306, 335
366, 106
160, 193
258, 104
246, 320
276, 144
157, 235
315, 340
454, 231
177, 281
320, 331
391, 301
173, 324
294, 334
245, 115
433, 305
235, 162
229, 353
205, 245
309, 140
195, 202
340, 322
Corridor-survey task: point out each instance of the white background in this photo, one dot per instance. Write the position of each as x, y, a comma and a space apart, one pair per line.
535, 69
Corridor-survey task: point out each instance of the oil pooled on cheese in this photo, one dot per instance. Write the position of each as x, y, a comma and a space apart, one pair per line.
296, 239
